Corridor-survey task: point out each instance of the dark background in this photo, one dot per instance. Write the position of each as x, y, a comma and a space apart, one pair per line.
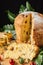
14, 5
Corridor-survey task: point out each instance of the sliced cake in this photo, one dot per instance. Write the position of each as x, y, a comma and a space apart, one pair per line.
25, 51
22, 27
29, 26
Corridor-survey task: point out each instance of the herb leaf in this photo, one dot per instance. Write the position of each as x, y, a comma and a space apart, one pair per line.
22, 8
39, 59
11, 16
9, 28
28, 6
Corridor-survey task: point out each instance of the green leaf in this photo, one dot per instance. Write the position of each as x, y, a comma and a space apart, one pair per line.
28, 6
11, 16
21, 60
39, 59
8, 27
41, 53
22, 8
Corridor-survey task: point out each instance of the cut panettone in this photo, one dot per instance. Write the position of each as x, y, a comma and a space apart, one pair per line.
34, 26
29, 29
22, 27
25, 51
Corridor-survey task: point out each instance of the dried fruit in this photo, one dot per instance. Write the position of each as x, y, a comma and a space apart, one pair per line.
12, 62
32, 63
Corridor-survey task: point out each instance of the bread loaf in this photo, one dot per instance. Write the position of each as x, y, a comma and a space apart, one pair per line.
33, 29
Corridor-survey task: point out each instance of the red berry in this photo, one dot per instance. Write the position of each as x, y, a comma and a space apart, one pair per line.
12, 62
32, 63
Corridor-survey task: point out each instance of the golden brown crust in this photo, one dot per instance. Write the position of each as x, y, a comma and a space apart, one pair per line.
38, 37
37, 30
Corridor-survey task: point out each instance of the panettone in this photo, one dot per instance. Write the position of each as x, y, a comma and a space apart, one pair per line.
29, 29
34, 26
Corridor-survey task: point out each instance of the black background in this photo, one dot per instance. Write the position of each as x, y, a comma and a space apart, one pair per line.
14, 5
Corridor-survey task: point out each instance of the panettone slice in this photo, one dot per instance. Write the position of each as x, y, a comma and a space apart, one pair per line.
22, 27
23, 50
